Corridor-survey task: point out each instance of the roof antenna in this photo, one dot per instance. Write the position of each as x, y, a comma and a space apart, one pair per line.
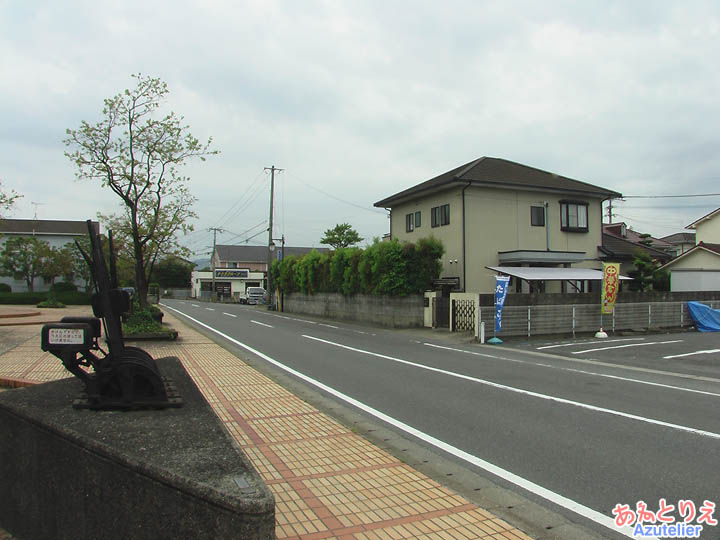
36, 204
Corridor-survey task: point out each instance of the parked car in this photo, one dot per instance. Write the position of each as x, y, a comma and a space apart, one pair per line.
253, 296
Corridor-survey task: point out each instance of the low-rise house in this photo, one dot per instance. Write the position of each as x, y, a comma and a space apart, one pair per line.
698, 269
622, 244
682, 242
493, 213
57, 233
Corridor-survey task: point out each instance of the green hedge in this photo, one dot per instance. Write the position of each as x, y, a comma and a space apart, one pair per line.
384, 268
77, 298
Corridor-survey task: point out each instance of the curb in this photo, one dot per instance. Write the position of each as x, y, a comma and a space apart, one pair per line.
16, 383
13, 315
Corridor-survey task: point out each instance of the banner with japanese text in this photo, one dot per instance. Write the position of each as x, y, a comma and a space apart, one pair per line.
610, 286
501, 290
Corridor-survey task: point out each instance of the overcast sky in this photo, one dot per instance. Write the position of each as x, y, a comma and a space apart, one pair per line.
357, 100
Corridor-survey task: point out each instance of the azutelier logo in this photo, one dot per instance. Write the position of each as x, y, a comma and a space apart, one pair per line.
684, 520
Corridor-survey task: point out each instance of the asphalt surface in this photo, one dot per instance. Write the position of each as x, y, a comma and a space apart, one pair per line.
578, 426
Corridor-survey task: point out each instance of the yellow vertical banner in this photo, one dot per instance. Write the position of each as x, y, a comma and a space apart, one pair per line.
611, 284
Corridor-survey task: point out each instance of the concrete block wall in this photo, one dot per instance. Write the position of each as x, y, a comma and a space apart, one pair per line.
388, 311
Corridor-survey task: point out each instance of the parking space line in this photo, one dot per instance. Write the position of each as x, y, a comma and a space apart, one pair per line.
573, 370
628, 345
530, 393
588, 343
711, 351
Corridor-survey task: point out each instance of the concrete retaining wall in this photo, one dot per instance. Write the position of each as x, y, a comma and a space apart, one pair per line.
388, 311
175, 473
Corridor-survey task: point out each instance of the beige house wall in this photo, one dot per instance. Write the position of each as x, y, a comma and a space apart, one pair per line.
708, 231
497, 220
700, 260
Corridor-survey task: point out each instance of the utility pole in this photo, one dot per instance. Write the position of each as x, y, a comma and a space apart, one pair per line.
610, 214
272, 170
214, 230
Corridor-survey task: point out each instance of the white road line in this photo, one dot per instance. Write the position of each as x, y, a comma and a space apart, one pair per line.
629, 345
194, 305
583, 372
711, 351
262, 324
329, 326
210, 309
589, 343
530, 393
229, 314
294, 319
556, 498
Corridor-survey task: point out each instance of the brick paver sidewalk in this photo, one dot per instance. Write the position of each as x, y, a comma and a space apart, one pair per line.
328, 482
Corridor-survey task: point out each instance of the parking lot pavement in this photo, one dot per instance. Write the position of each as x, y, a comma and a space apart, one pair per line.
691, 353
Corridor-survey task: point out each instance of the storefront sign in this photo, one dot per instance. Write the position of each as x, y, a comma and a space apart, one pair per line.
231, 273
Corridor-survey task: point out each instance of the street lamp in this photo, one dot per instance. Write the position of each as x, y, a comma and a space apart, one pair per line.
271, 248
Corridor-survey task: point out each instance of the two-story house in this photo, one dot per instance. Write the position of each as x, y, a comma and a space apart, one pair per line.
235, 268
493, 213
57, 233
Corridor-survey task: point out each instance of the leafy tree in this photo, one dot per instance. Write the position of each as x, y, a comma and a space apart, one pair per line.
646, 239
137, 155
645, 269
7, 200
55, 262
23, 257
173, 272
341, 236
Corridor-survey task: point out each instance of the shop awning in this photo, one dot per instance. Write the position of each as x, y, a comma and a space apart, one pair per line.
541, 273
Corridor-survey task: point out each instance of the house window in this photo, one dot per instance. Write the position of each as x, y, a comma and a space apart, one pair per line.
409, 222
573, 216
537, 216
417, 220
440, 215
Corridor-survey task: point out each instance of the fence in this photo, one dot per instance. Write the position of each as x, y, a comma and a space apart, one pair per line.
175, 293
572, 319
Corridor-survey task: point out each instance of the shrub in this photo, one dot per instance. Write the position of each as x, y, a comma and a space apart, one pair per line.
74, 298
63, 286
51, 301
390, 268
5, 288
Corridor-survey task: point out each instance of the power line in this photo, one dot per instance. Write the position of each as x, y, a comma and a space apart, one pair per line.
669, 196
337, 198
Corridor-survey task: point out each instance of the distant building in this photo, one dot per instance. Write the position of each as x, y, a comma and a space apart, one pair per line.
238, 267
682, 241
621, 244
56, 233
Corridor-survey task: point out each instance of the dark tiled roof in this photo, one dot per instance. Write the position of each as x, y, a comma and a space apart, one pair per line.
496, 172
634, 236
43, 226
711, 247
257, 254
614, 246
680, 238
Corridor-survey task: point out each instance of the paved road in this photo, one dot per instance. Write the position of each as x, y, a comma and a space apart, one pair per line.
576, 424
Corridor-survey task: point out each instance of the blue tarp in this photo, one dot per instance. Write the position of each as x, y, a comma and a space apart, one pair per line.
706, 319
